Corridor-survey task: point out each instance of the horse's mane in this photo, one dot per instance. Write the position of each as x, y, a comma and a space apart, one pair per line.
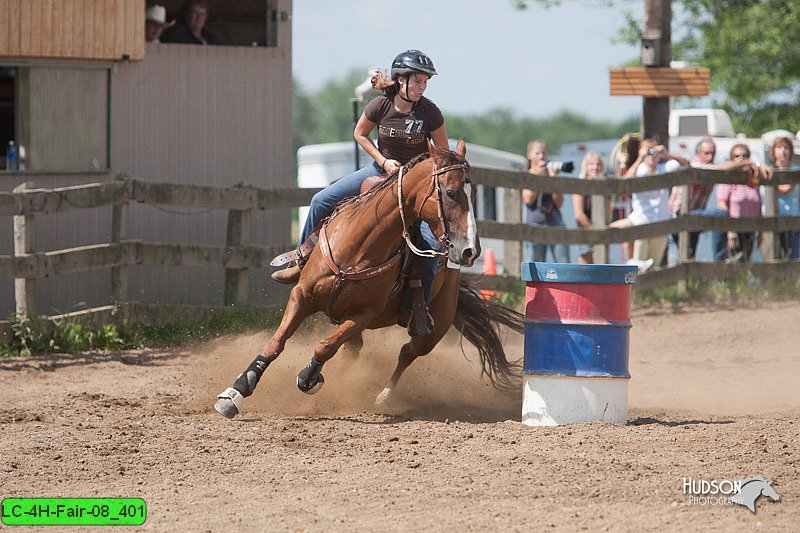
447, 157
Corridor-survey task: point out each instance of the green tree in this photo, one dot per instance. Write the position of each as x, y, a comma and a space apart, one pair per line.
499, 128
327, 116
755, 67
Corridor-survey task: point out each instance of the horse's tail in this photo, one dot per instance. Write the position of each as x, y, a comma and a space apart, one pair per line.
477, 320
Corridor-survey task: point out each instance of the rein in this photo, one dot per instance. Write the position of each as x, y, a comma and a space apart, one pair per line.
445, 237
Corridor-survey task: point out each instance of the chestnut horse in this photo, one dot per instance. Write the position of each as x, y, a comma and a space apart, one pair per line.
354, 276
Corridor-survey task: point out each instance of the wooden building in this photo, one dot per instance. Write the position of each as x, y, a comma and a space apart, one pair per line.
90, 100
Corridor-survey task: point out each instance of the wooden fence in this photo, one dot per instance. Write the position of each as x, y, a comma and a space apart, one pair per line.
239, 254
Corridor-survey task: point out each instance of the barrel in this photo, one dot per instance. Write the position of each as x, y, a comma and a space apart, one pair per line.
577, 326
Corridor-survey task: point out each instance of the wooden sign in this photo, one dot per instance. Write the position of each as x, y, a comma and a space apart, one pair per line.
657, 82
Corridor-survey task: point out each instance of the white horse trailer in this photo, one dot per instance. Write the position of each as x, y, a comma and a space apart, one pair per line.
319, 165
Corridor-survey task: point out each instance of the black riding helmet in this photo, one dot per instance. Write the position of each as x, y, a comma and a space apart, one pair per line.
412, 61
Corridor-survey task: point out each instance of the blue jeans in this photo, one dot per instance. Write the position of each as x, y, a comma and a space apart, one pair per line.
425, 240
790, 245
719, 239
323, 203
537, 252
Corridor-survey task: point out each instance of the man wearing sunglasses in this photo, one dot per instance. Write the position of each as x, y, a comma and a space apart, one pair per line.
699, 193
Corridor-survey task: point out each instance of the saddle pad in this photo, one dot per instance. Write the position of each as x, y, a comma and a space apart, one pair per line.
370, 182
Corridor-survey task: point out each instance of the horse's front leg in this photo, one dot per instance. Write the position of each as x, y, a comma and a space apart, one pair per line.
310, 379
229, 402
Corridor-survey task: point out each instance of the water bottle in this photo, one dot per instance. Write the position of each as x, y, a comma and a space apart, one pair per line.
11, 157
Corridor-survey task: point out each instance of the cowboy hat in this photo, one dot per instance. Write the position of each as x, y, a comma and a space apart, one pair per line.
158, 14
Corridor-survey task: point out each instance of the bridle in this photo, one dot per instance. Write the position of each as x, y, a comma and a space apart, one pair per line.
445, 237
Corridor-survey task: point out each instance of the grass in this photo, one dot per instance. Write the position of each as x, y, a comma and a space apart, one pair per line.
741, 291
176, 331
34, 336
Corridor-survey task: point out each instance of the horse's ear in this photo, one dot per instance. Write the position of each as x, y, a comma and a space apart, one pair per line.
461, 147
431, 148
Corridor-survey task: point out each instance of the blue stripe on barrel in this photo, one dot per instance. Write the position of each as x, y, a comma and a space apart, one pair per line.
569, 327
576, 350
573, 273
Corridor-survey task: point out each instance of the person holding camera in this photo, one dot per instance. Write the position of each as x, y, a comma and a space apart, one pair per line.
543, 208
649, 206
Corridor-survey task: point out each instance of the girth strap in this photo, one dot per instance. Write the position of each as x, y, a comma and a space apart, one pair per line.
349, 274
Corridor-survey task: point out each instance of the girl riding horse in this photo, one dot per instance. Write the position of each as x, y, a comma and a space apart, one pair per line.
353, 275
405, 120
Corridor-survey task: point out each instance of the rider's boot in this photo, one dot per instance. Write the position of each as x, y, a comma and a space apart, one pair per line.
288, 275
420, 323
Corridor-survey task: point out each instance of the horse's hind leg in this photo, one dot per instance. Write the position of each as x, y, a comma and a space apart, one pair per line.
416, 347
229, 402
310, 379
442, 309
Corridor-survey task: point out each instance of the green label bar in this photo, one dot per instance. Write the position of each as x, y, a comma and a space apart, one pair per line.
73, 511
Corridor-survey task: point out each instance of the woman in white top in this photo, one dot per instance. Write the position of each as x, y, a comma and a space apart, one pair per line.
650, 206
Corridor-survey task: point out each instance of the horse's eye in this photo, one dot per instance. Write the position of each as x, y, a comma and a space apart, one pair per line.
451, 194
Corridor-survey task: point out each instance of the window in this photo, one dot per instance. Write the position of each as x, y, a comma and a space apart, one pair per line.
59, 114
693, 125
239, 23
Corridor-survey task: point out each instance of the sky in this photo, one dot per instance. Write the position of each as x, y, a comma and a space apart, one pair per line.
536, 62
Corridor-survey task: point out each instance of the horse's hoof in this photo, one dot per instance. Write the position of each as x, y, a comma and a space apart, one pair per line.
311, 386
383, 397
229, 402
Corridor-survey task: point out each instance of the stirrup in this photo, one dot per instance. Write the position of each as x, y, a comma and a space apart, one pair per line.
420, 323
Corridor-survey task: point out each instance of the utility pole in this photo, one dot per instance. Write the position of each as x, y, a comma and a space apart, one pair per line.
656, 52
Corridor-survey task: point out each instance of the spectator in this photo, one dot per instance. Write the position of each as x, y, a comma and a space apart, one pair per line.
591, 167
788, 195
543, 208
190, 28
620, 204
649, 206
155, 23
742, 201
704, 153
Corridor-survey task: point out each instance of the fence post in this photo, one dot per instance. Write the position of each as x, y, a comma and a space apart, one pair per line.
599, 220
512, 250
769, 248
24, 289
119, 232
683, 238
237, 279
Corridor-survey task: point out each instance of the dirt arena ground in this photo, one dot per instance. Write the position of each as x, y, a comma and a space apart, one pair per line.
715, 394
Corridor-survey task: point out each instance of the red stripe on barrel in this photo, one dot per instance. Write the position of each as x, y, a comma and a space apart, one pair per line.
578, 302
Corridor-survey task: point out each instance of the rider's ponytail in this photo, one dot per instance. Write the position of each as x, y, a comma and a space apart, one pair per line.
381, 83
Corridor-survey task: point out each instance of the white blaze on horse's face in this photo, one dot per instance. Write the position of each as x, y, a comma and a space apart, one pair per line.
472, 226
464, 242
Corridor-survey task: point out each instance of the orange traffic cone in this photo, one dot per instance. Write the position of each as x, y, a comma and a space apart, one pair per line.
489, 269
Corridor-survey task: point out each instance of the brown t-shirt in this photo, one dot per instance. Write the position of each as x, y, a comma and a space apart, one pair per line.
402, 136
